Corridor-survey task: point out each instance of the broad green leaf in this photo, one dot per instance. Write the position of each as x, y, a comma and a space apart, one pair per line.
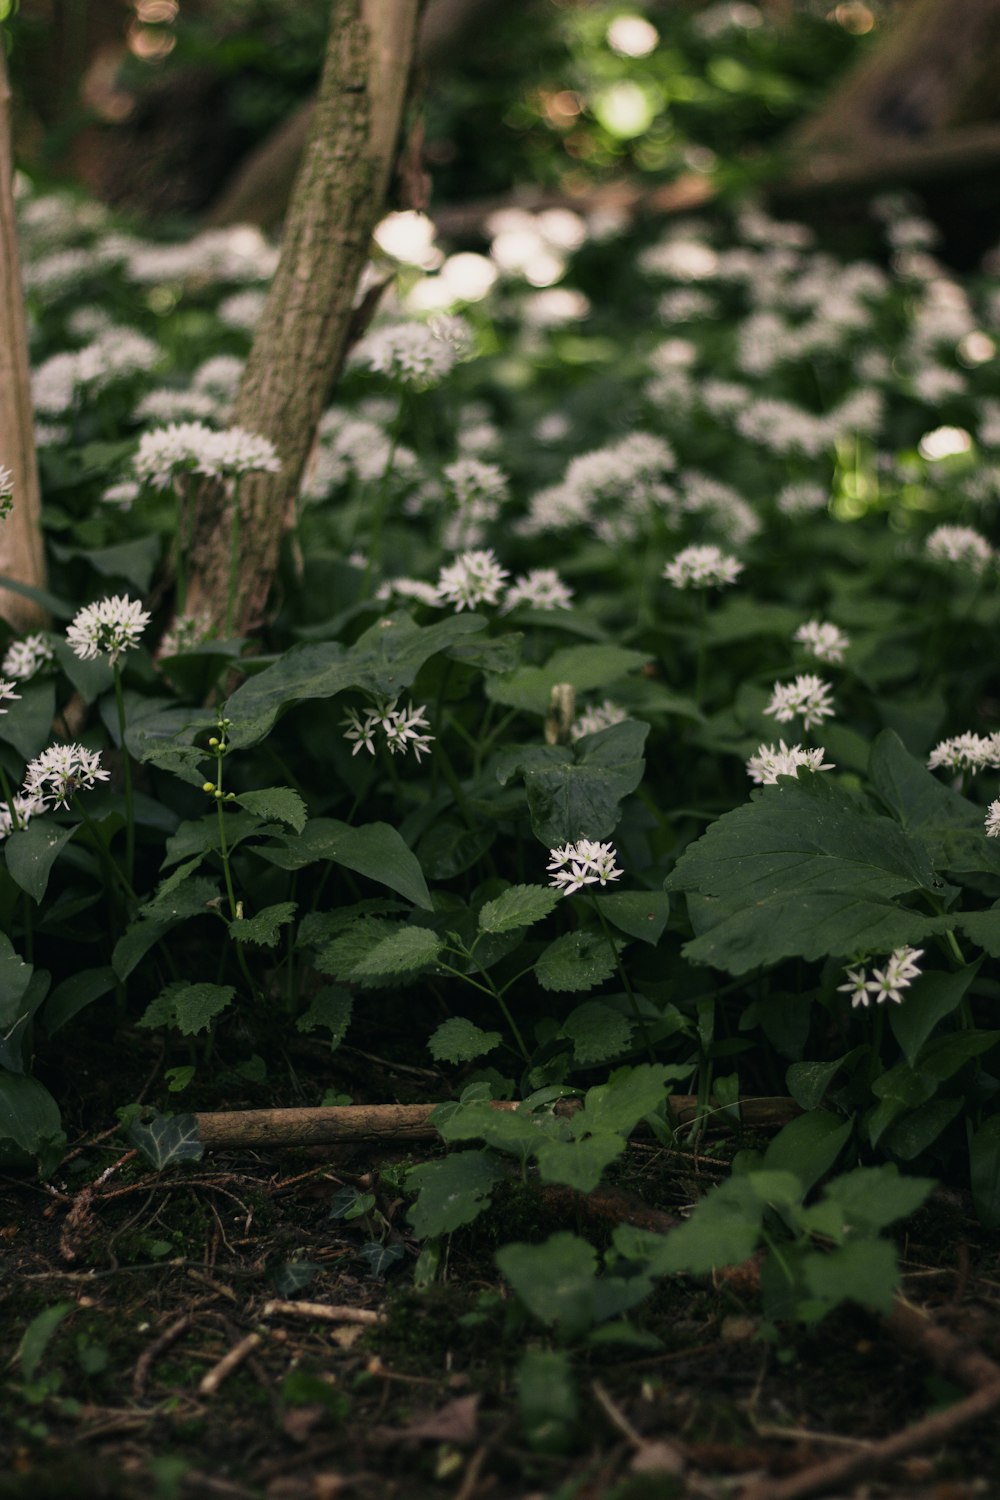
629, 1095
642, 914
808, 1146
862, 1271
942, 1057
384, 661
577, 793
166, 1140
29, 1118
578, 1164
722, 1231
912, 1134
176, 900
15, 976
376, 850
597, 1031
984, 1171
458, 1040
27, 723
920, 802
870, 1198
331, 1009
189, 1007
547, 1399
518, 906
928, 1000
516, 1132
584, 667
554, 1280
276, 804
452, 1192
265, 926
407, 949
807, 1082
32, 851
37, 1337
74, 994
575, 962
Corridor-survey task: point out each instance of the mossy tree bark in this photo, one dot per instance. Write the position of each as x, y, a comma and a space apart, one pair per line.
337, 199
22, 556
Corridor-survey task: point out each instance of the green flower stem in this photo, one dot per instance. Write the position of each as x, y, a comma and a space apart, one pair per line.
117, 876
234, 556
454, 785
633, 1002
127, 773
490, 989
218, 747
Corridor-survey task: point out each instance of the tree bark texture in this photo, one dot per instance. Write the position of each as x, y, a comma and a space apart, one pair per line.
22, 557
336, 202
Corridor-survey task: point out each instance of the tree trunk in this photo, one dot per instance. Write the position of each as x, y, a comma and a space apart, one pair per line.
336, 201
22, 557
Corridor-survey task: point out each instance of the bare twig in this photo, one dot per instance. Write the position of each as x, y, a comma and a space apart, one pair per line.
148, 1356
322, 1312
211, 1381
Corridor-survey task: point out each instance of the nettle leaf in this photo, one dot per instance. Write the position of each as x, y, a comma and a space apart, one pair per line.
165, 1141
575, 961
983, 927
629, 1095
870, 1198
264, 927
330, 1009
276, 803
518, 906
597, 1032
516, 1132
376, 850
401, 952
385, 660
176, 900
642, 914
576, 792
189, 1007
555, 1281
862, 1271
586, 668
31, 852
578, 1164
458, 1040
452, 1192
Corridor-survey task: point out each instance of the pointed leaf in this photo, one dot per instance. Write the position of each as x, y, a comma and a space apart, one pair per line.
452, 1192
376, 850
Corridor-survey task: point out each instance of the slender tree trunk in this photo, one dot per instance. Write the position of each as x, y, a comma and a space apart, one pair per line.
337, 200
21, 554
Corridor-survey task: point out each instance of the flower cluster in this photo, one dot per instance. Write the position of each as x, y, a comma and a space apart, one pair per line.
416, 355
702, 568
400, 727
582, 863
823, 640
967, 752
993, 820
7, 694
61, 770
111, 626
19, 812
767, 763
592, 720
191, 447
542, 588
888, 983
808, 698
25, 657
962, 545
473, 578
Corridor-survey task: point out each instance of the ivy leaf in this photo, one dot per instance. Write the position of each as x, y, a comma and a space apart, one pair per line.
376, 850
31, 852
264, 927
458, 1040
165, 1141
330, 1009
597, 1032
380, 1258
554, 1280
276, 804
189, 1007
405, 950
575, 961
518, 906
451, 1192
577, 793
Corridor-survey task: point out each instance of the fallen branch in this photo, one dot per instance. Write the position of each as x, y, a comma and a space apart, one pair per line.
323, 1312
212, 1380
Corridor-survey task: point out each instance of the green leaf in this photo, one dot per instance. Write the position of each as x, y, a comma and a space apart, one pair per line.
921, 803
384, 661
597, 1032
577, 793
629, 1095
376, 850
928, 1000
983, 927
518, 906
807, 1082
554, 1280
584, 667
189, 1007
722, 1231
15, 977
29, 1118
27, 723
642, 914
942, 1057
576, 961
403, 951
984, 1171
578, 1164
452, 1192
547, 1399
862, 1271
166, 1140
37, 1337
910, 1136
177, 900
276, 804
458, 1040
264, 927
31, 852
516, 1132
808, 1146
75, 994
330, 1008
870, 1198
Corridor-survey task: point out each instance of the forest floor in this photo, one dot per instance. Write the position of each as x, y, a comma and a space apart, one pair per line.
160, 1276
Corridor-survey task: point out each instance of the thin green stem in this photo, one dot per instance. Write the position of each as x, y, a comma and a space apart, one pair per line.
633, 1002
490, 989
127, 773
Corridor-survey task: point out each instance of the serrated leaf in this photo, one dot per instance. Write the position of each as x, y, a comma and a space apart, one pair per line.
577, 793
452, 1192
597, 1032
403, 951
331, 1009
189, 1007
628, 1096
578, 1164
518, 906
31, 852
341, 956
921, 803
863, 1271
586, 668
176, 900
165, 1141
276, 804
264, 927
376, 850
871, 1198
574, 962
458, 1040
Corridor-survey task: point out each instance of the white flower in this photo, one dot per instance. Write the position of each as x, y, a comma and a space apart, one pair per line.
993, 820
60, 771
219, 377
6, 492
966, 752
399, 726
473, 578
418, 355
592, 720
18, 813
702, 568
959, 544
123, 494
582, 863
407, 588
823, 640
235, 451
807, 697
542, 588
856, 986
767, 764
888, 983
186, 447
7, 694
111, 625
471, 481
24, 657
168, 405
801, 499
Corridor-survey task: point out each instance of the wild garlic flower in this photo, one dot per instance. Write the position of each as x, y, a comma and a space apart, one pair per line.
191, 447
808, 698
18, 813
473, 578
801, 499
399, 727
470, 480
823, 640
593, 720
416, 355
6, 492
111, 626
542, 588
25, 657
7, 694
61, 770
966, 752
767, 764
407, 588
887, 983
235, 451
124, 494
959, 544
993, 820
702, 568
582, 863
